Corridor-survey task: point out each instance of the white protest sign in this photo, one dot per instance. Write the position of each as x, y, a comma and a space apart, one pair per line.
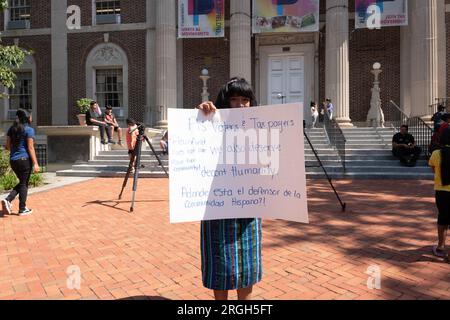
237, 163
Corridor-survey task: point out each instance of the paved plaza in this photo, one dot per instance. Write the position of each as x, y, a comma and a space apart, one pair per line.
390, 225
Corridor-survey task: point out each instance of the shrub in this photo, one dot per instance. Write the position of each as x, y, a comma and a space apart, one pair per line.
36, 180
8, 181
4, 162
84, 105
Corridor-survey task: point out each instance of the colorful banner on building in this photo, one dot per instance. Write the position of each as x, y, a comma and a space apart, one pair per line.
201, 18
285, 16
375, 14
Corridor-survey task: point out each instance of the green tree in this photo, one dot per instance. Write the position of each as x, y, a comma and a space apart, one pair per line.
11, 57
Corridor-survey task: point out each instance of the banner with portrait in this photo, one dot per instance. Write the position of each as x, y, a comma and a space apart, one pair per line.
285, 16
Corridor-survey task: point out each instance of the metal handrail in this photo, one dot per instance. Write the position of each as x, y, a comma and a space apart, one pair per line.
395, 116
336, 138
399, 109
421, 131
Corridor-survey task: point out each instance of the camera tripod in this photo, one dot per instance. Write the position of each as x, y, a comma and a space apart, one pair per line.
136, 160
343, 204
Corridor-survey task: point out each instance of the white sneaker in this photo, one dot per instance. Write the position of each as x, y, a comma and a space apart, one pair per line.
6, 207
25, 212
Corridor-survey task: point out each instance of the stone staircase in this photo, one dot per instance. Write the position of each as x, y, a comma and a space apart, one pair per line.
114, 163
327, 154
368, 156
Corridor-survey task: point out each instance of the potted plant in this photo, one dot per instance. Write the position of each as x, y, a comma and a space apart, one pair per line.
83, 105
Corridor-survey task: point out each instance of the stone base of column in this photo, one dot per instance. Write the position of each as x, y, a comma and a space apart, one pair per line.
427, 118
344, 122
162, 124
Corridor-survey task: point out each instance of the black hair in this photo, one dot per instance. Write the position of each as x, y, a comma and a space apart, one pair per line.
405, 126
445, 157
108, 107
441, 108
18, 128
131, 122
313, 104
445, 117
92, 103
234, 88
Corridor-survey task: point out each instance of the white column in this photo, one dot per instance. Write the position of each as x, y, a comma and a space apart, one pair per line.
60, 90
427, 58
150, 59
405, 69
240, 39
442, 49
166, 56
337, 80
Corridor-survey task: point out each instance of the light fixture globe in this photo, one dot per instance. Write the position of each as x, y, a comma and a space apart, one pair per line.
205, 72
376, 66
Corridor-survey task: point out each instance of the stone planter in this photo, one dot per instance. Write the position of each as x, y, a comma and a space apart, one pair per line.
82, 119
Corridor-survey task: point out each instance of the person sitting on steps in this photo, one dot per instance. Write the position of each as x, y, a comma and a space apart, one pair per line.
94, 117
112, 124
404, 148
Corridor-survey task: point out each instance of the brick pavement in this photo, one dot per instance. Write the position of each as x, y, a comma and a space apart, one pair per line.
141, 256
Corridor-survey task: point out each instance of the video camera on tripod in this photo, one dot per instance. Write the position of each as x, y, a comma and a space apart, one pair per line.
136, 160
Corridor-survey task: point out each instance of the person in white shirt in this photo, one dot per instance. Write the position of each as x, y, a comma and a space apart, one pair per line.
330, 109
314, 113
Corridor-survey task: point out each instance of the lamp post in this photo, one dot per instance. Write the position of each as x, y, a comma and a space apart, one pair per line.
205, 77
375, 117
281, 97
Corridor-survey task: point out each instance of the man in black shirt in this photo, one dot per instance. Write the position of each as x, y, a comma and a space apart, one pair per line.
437, 118
404, 148
94, 118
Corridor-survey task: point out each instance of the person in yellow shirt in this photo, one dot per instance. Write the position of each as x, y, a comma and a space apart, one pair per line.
440, 162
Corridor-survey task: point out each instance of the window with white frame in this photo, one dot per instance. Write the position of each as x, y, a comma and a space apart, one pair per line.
107, 7
21, 96
19, 10
109, 87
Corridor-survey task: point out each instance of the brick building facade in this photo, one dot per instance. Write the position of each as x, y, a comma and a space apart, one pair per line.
70, 64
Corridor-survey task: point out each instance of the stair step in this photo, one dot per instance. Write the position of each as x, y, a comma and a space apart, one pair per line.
124, 162
108, 174
105, 168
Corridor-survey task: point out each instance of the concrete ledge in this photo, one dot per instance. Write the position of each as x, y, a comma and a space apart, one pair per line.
68, 130
72, 143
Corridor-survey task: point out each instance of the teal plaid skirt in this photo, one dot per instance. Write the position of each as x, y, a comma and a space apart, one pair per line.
231, 253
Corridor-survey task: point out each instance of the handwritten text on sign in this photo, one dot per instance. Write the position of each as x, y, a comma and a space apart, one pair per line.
237, 163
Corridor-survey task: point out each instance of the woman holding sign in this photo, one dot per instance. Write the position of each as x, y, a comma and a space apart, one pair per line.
231, 249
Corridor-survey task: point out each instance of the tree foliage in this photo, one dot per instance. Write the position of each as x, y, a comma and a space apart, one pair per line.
11, 57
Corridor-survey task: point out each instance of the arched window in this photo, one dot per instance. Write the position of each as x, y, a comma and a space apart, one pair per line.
24, 94
107, 77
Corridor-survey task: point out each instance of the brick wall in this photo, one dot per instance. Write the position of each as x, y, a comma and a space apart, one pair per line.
41, 46
86, 10
132, 11
133, 43
40, 14
366, 48
199, 53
